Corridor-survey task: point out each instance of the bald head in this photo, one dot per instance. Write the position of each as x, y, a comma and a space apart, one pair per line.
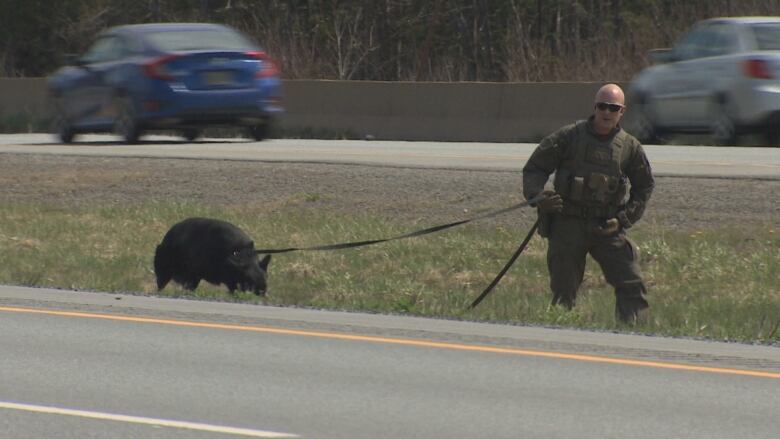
611, 94
610, 105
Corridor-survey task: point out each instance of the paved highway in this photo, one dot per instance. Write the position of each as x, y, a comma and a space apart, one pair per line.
752, 162
77, 365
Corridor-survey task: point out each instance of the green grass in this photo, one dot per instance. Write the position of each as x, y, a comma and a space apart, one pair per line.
717, 283
24, 122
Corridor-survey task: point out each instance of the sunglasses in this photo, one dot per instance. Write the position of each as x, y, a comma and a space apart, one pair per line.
613, 108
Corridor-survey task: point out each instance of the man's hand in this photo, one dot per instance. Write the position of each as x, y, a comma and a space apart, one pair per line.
608, 228
553, 203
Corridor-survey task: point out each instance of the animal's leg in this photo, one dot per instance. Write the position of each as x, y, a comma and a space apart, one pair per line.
192, 283
162, 266
162, 281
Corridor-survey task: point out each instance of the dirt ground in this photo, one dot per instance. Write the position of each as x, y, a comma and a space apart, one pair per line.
425, 196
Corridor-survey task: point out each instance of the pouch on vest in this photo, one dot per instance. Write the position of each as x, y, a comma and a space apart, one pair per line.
602, 187
545, 223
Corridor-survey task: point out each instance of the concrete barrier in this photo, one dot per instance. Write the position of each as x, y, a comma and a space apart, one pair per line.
461, 111
22, 96
501, 112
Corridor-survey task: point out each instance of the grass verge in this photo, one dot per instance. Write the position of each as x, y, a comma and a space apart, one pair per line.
718, 283
24, 122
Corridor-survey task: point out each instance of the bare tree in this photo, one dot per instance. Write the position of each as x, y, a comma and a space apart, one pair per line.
431, 40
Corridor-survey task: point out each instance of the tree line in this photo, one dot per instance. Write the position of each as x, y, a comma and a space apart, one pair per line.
389, 40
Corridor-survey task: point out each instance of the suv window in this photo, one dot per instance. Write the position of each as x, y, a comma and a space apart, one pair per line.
722, 40
690, 45
709, 40
767, 36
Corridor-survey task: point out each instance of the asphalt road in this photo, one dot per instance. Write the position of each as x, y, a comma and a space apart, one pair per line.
754, 162
77, 365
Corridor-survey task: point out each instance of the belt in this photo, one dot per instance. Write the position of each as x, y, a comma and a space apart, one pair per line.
589, 211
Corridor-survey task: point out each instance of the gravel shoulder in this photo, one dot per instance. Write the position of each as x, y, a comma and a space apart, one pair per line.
407, 194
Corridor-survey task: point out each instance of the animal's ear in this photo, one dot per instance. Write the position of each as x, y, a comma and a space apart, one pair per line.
264, 262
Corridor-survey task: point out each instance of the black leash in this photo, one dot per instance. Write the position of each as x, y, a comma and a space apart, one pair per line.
506, 267
407, 235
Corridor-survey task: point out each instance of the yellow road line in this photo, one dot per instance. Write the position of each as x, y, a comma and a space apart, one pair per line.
404, 342
142, 420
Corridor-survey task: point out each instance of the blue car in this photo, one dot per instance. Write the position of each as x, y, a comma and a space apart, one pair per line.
169, 76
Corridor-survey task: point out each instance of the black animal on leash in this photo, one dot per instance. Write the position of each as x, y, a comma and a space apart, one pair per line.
212, 250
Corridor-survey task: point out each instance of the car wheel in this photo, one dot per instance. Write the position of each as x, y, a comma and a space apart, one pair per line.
60, 124
64, 131
62, 128
190, 134
126, 124
260, 132
722, 125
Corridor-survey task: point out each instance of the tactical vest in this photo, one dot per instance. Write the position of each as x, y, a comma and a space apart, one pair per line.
591, 180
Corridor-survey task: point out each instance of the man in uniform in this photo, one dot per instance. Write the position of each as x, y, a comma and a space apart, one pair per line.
594, 161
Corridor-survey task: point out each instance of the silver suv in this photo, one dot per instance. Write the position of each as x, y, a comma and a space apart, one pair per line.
722, 78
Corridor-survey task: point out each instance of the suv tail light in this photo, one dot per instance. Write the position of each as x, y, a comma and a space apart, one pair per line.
268, 66
757, 68
158, 69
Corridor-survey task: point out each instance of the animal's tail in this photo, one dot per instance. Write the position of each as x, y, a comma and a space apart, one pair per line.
162, 267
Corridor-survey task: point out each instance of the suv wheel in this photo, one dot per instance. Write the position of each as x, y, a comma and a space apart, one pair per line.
772, 130
640, 122
643, 128
722, 125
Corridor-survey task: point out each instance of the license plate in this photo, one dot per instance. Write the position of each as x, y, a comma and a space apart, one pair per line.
218, 78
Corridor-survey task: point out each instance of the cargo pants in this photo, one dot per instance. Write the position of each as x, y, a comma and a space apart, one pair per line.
570, 240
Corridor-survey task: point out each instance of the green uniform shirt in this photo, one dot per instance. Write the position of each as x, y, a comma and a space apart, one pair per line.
562, 148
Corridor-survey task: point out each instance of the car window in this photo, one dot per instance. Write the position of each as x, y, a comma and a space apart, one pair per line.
767, 36
105, 49
182, 40
132, 45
